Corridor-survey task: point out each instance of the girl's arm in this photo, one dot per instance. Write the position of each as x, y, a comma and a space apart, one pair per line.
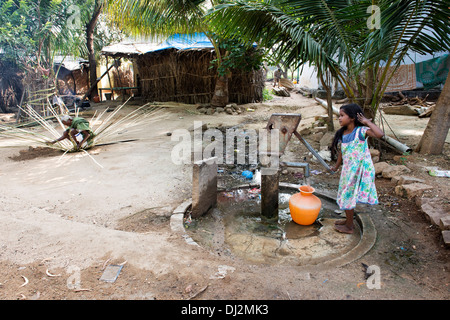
373, 131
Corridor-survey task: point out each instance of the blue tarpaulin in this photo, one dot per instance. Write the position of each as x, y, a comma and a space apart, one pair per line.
185, 42
177, 41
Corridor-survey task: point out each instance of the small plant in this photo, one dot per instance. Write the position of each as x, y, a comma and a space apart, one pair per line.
404, 157
266, 95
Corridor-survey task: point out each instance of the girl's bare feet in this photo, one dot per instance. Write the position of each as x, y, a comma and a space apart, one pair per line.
343, 228
340, 222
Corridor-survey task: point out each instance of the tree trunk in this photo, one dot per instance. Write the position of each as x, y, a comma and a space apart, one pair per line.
327, 87
220, 97
433, 138
90, 27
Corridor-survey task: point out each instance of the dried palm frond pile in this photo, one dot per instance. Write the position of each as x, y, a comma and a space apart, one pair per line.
105, 125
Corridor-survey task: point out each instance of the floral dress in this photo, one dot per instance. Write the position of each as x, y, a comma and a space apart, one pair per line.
357, 181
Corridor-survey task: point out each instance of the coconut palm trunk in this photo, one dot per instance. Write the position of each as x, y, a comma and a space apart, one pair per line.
220, 97
433, 139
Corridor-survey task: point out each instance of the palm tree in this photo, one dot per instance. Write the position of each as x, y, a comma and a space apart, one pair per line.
433, 139
343, 37
162, 18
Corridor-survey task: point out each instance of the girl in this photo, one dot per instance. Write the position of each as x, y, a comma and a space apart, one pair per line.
357, 181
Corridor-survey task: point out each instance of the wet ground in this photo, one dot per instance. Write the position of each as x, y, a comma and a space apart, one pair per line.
236, 227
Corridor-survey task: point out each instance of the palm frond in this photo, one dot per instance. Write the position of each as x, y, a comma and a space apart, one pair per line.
158, 17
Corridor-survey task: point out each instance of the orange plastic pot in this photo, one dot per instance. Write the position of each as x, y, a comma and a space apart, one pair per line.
304, 206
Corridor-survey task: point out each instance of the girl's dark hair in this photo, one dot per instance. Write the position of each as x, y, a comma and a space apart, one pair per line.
352, 111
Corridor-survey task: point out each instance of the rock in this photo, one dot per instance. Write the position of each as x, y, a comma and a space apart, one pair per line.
324, 154
210, 111
380, 166
220, 109
305, 131
228, 110
316, 136
339, 94
321, 94
323, 118
392, 171
406, 180
411, 190
326, 140
446, 237
321, 129
374, 153
433, 210
444, 222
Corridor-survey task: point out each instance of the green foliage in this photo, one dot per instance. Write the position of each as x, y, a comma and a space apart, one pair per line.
161, 18
32, 32
266, 95
237, 55
340, 36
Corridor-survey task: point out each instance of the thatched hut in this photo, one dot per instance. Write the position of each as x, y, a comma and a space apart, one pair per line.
179, 69
11, 86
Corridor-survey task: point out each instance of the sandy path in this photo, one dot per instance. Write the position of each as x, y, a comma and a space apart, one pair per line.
67, 211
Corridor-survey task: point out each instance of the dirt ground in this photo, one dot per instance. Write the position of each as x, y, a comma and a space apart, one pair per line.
64, 219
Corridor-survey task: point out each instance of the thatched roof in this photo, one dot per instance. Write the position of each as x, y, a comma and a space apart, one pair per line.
177, 41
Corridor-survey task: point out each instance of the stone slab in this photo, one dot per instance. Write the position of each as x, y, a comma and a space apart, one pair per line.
176, 222
446, 237
392, 171
444, 222
406, 180
411, 190
433, 211
204, 186
380, 166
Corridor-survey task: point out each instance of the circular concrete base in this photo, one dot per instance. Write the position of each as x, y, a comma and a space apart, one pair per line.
301, 247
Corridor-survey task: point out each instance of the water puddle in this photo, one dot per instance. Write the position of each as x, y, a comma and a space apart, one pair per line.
235, 227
